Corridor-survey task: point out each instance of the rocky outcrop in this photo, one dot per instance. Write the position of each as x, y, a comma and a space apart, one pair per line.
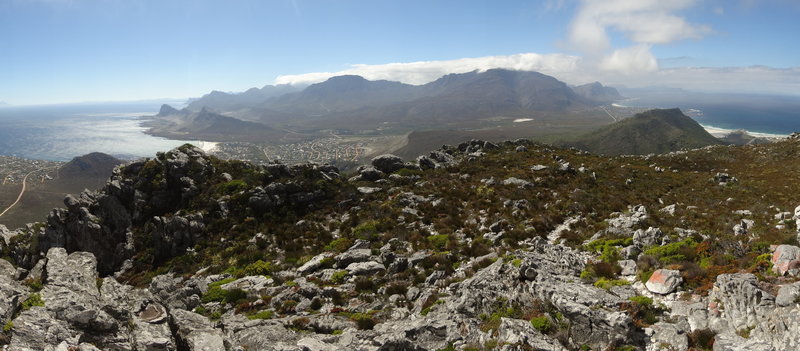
664, 281
786, 259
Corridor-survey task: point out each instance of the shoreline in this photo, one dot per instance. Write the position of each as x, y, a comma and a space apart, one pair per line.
721, 132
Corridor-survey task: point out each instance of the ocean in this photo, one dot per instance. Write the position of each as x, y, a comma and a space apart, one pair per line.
760, 115
62, 132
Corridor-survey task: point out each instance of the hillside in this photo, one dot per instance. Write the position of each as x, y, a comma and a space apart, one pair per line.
597, 92
654, 131
93, 165
352, 104
207, 125
478, 246
83, 172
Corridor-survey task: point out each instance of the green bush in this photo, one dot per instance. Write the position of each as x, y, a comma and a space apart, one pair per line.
641, 300
8, 326
258, 268
33, 300
233, 187
438, 241
363, 320
604, 283
265, 314
338, 277
339, 245
671, 249
600, 244
218, 294
542, 324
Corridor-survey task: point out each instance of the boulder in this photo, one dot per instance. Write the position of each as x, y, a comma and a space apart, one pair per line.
195, 332
36, 329
740, 300
313, 264
786, 259
628, 267
788, 295
173, 235
520, 183
12, 293
70, 290
365, 268
255, 285
664, 281
370, 173
667, 336
344, 259
644, 238
388, 163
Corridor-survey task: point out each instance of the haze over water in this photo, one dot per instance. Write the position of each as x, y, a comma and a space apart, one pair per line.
61, 132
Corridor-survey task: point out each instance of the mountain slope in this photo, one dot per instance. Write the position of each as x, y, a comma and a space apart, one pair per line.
510, 241
221, 101
597, 92
207, 125
654, 131
93, 165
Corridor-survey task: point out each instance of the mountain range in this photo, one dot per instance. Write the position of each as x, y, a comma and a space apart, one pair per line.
654, 131
354, 105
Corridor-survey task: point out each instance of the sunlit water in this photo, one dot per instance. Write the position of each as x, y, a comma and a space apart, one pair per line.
59, 133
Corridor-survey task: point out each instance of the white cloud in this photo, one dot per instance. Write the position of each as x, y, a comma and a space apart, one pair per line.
631, 67
422, 72
630, 60
644, 22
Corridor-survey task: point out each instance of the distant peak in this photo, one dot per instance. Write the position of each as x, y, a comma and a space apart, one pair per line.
167, 110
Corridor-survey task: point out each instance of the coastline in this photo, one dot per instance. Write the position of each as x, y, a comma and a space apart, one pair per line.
721, 132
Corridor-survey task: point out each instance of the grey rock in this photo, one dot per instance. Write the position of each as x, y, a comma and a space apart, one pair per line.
388, 163
370, 173
521, 183
522, 334
624, 224
70, 290
667, 336
263, 336
313, 264
12, 293
366, 190
35, 329
788, 295
786, 259
664, 281
254, 285
173, 235
195, 332
742, 303
628, 267
644, 238
344, 259
732, 342
365, 268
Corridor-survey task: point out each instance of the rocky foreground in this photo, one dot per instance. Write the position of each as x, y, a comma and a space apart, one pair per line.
475, 247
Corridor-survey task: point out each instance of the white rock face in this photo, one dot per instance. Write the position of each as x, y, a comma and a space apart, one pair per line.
785, 258
664, 281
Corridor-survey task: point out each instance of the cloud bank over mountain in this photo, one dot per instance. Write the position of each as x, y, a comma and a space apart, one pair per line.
611, 41
575, 70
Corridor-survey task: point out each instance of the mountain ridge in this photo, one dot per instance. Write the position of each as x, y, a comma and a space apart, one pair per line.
654, 131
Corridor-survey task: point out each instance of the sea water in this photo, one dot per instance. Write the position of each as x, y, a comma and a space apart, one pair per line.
61, 132
760, 115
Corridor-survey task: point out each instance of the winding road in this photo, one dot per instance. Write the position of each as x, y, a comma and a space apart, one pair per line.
21, 192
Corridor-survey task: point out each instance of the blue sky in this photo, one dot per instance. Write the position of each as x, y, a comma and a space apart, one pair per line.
54, 51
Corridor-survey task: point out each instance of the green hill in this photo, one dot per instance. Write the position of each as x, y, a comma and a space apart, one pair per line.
654, 131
